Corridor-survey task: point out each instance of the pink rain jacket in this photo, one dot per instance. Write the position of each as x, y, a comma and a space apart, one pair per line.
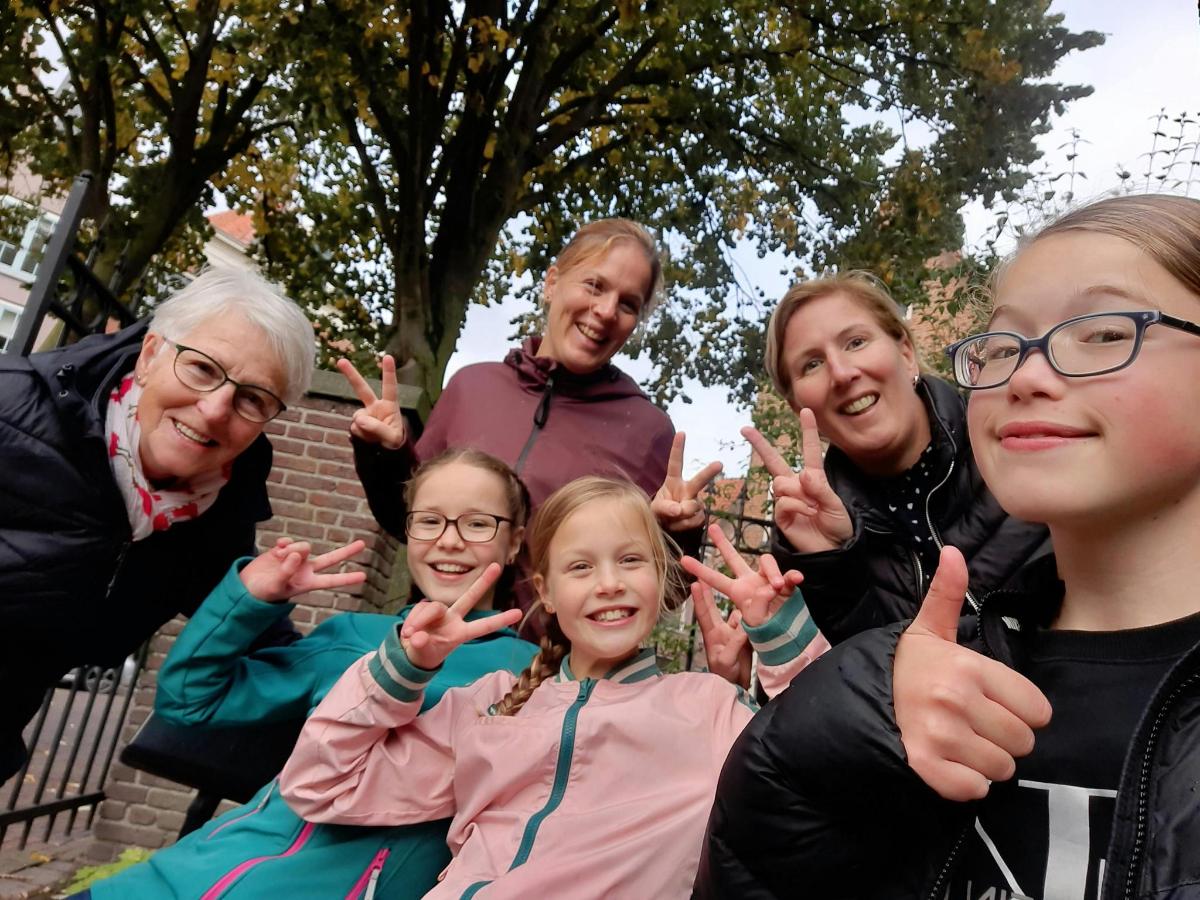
594, 789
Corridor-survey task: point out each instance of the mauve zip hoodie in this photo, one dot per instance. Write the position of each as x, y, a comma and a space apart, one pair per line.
595, 788
551, 425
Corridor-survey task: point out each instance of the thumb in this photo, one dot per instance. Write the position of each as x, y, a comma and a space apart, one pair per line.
942, 606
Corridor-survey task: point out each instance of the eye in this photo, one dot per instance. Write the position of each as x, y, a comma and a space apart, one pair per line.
810, 366
426, 519
478, 524
632, 559
578, 566
592, 285
1105, 334
254, 401
997, 350
202, 369
856, 343
630, 307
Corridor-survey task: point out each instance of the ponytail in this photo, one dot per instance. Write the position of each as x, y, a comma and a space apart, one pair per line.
544, 665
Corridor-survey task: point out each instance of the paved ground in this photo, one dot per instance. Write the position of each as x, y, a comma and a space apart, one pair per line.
40, 870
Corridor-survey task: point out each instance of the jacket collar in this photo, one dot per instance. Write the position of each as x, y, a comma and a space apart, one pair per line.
536, 373
640, 667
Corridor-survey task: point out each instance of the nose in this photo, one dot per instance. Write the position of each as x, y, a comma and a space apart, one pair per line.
841, 368
1034, 376
604, 306
450, 538
216, 406
608, 581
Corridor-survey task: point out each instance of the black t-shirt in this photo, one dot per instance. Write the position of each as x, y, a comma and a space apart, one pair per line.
1044, 834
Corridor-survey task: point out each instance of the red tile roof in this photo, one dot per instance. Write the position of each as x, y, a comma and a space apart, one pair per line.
234, 225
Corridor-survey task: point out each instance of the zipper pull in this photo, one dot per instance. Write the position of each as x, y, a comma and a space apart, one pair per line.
543, 409
373, 881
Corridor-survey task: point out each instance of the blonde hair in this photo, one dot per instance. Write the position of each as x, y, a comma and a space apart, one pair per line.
559, 507
516, 497
597, 238
862, 287
1165, 227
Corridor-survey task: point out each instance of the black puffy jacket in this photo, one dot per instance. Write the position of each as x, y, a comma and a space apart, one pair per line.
816, 798
74, 587
877, 577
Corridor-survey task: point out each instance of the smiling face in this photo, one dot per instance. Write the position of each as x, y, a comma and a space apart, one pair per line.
594, 305
602, 583
444, 568
186, 433
858, 381
1106, 448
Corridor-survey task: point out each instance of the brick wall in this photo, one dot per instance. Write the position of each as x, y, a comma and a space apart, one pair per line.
315, 496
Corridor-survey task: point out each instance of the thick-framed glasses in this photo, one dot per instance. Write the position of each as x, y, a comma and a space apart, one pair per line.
1095, 344
200, 372
474, 528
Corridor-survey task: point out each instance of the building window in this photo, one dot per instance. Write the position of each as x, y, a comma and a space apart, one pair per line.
24, 233
8, 323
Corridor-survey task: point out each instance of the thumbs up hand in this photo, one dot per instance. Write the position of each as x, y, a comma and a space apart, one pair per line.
964, 718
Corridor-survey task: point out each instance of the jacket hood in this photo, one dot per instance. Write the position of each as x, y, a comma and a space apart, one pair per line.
534, 372
94, 364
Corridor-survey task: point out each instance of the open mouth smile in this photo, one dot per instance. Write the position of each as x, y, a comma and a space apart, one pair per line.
860, 405
192, 435
614, 616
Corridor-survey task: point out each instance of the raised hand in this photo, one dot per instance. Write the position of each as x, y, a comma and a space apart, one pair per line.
432, 630
964, 718
809, 514
756, 594
380, 420
726, 645
675, 504
287, 570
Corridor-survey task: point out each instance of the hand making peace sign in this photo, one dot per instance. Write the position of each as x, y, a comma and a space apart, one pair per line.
380, 420
757, 595
287, 570
432, 630
726, 644
675, 504
809, 514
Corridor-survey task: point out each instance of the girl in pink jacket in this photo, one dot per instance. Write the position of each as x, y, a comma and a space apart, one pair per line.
591, 774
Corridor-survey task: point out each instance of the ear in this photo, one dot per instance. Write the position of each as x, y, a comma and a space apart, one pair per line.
514, 547
152, 344
539, 588
910, 356
549, 284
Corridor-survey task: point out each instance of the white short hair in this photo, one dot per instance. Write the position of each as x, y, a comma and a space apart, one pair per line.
219, 291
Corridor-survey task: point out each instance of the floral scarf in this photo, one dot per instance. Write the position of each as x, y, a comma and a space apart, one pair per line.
150, 509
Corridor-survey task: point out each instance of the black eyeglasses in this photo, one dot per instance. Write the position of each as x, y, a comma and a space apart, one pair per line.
1094, 344
474, 528
200, 372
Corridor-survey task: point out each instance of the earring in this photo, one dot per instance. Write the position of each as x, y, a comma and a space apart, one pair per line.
916, 381
140, 379
547, 607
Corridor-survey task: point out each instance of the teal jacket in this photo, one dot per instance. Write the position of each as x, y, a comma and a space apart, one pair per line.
263, 849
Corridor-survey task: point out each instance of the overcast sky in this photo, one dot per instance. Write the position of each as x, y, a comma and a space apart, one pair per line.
1150, 61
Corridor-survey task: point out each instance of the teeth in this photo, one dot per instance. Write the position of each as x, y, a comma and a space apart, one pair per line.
861, 404
193, 435
450, 568
591, 333
611, 615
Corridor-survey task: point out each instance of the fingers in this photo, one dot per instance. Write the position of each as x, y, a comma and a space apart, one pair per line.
705, 606
387, 375
675, 460
711, 577
487, 625
425, 615
735, 620
337, 556
358, 384
337, 580
810, 440
768, 568
728, 552
476, 592
943, 602
1016, 693
771, 457
701, 479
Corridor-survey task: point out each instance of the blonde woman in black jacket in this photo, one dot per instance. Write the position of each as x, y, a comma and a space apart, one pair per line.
1055, 751
899, 481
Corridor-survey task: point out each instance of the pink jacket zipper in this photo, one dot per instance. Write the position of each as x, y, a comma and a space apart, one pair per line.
365, 886
219, 888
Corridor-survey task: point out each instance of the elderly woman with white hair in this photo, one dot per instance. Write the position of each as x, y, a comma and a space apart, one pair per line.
134, 472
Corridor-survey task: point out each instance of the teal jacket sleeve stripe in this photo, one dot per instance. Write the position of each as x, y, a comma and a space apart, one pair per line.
784, 636
395, 673
208, 678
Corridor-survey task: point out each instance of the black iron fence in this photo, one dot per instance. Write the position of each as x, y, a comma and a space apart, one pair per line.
73, 738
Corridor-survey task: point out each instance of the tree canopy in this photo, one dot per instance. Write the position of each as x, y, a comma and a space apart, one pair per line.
441, 153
